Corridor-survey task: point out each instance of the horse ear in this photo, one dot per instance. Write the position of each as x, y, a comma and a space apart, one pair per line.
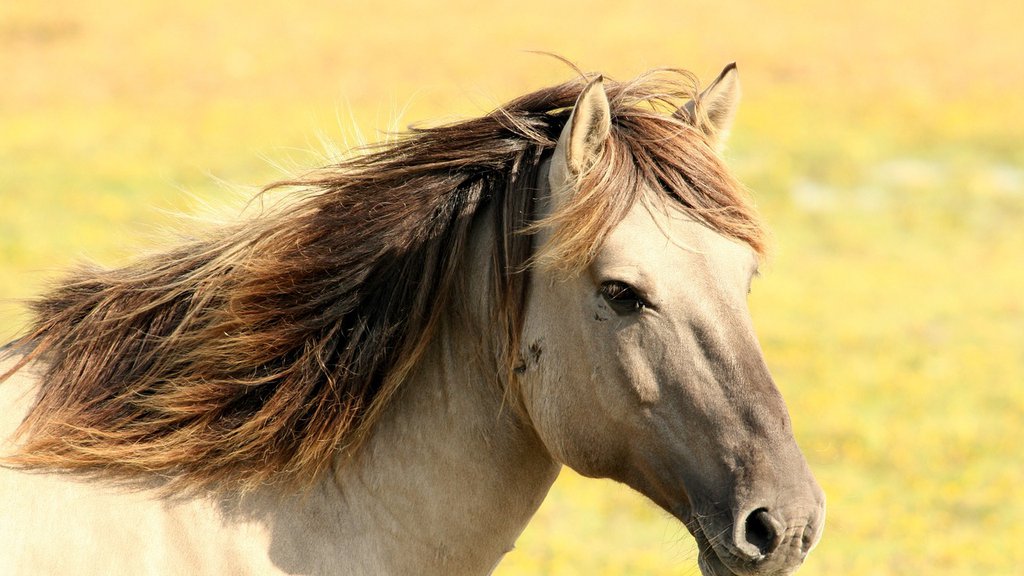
714, 109
583, 137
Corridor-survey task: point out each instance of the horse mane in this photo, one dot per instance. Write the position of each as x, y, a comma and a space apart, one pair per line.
261, 351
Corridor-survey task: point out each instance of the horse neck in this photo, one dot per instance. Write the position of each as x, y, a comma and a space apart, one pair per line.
450, 476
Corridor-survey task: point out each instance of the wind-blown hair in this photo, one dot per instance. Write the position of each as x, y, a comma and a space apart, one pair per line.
262, 351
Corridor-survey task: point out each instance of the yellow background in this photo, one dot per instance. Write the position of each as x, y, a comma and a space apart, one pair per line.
883, 142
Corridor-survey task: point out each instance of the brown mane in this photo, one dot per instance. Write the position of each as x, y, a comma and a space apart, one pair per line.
261, 351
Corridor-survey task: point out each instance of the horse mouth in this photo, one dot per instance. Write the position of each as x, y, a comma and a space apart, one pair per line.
708, 559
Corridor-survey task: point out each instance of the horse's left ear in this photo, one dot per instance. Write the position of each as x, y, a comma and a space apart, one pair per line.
714, 109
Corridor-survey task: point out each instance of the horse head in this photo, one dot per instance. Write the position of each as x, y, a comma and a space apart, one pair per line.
642, 363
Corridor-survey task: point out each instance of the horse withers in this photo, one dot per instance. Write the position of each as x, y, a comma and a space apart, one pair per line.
385, 374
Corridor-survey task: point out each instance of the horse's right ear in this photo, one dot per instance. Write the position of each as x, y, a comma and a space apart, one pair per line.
583, 138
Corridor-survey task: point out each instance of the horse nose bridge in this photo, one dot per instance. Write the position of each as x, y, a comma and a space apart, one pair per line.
731, 352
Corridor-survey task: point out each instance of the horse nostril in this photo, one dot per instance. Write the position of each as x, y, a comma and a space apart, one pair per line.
762, 531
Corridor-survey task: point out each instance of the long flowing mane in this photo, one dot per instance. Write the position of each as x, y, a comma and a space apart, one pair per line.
260, 352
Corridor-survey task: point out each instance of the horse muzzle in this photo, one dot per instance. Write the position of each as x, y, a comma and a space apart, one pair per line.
761, 541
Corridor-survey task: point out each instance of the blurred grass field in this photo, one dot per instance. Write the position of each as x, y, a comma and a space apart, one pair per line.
884, 143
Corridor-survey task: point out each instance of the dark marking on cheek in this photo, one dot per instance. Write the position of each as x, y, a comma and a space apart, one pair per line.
532, 358
535, 351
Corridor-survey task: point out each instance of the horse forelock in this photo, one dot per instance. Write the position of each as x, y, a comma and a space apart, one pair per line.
263, 351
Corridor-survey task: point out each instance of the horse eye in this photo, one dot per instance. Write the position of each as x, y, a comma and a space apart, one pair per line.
622, 297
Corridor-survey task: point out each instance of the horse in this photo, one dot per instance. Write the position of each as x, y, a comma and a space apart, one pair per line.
384, 372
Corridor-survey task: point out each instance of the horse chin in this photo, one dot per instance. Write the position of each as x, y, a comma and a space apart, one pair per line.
711, 565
